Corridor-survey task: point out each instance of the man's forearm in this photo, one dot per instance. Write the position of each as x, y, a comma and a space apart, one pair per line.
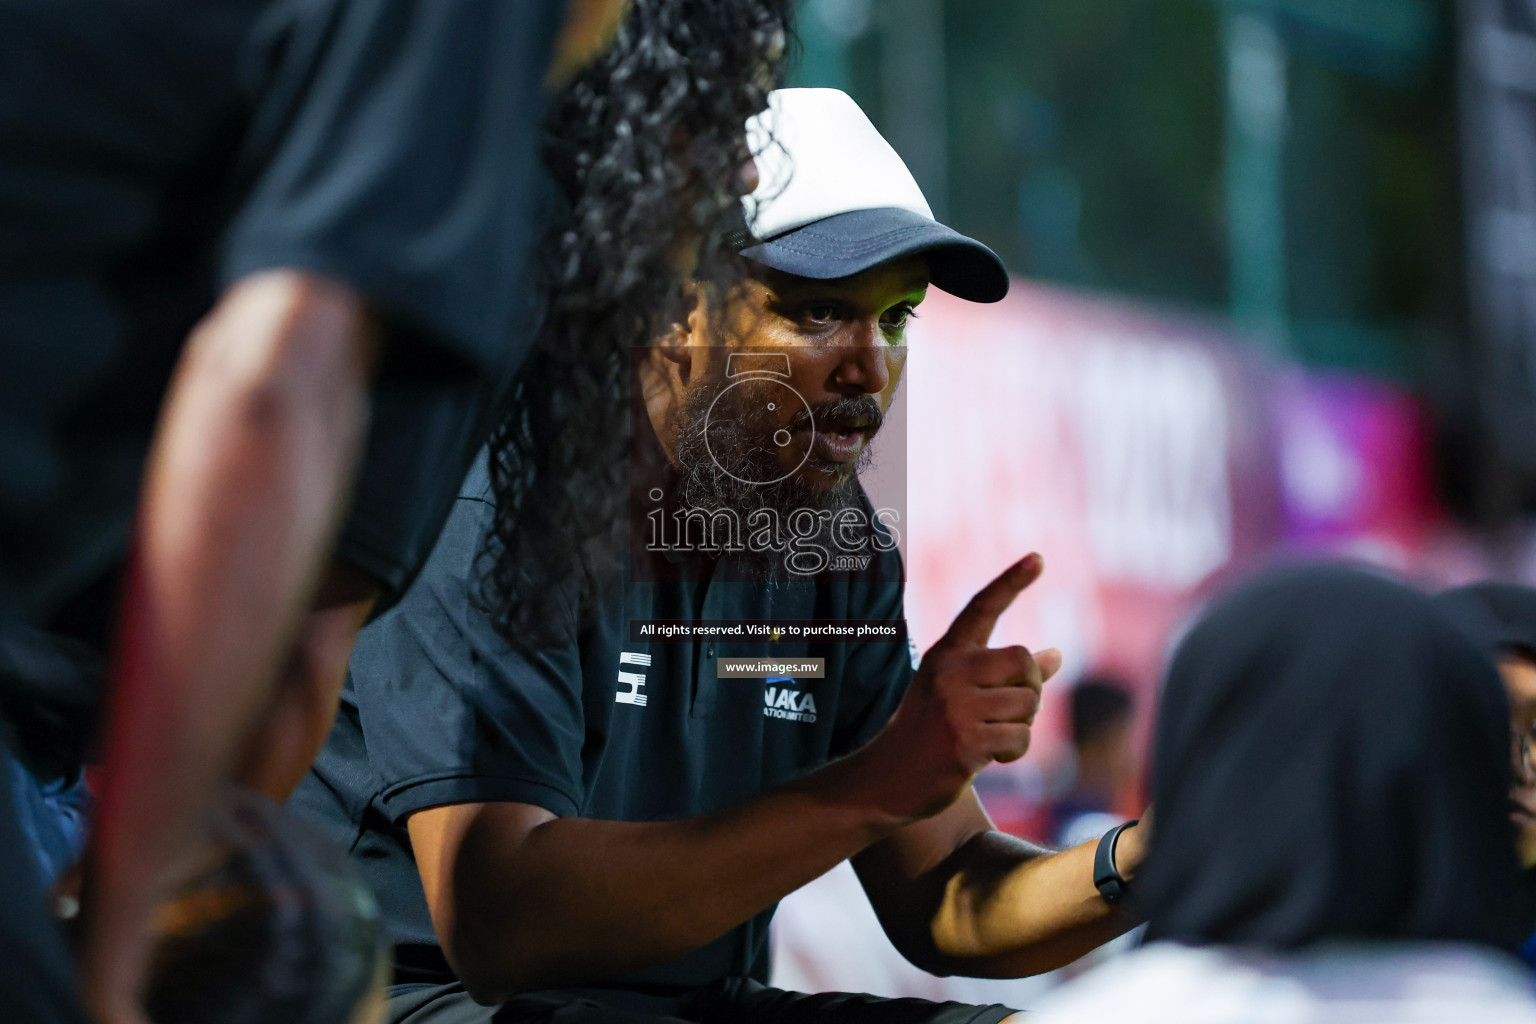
306, 693
582, 900
251, 465
522, 900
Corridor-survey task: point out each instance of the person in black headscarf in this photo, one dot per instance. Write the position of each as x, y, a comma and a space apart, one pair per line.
1330, 777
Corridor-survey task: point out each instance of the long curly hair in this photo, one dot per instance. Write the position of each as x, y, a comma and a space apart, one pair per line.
648, 143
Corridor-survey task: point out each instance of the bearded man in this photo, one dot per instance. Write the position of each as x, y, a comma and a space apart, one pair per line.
598, 827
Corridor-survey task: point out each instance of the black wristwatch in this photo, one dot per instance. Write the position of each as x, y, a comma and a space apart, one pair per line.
1106, 877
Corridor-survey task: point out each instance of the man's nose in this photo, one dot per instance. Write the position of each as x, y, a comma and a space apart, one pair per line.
864, 362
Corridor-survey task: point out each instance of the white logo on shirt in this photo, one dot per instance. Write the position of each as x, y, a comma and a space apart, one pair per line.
790, 705
633, 680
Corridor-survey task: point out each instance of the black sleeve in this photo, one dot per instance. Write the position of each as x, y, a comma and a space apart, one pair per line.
394, 147
450, 713
875, 675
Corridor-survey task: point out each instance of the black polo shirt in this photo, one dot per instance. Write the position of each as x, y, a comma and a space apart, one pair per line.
153, 151
438, 710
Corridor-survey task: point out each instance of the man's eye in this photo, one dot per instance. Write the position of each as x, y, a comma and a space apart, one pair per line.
897, 318
822, 312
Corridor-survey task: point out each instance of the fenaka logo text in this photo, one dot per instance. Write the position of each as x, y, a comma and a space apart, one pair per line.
781, 700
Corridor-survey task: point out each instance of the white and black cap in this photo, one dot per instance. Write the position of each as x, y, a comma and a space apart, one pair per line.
834, 199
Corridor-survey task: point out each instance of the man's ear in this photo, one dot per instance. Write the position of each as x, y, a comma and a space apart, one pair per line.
676, 343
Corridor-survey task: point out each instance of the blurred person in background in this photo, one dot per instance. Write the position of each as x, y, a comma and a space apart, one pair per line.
1102, 715
1503, 617
1333, 842
245, 243
566, 823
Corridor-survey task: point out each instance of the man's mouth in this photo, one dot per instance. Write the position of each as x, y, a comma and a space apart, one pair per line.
840, 447
843, 440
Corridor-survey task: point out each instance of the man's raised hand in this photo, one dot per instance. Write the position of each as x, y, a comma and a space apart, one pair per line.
968, 706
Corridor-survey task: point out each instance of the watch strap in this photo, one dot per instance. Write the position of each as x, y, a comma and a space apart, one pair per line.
1106, 876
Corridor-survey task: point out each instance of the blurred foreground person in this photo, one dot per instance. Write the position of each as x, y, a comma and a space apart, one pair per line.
273, 926
267, 237
1503, 617
240, 241
1333, 843
582, 824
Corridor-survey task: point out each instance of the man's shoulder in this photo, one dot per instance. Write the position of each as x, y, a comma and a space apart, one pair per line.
477, 484
885, 538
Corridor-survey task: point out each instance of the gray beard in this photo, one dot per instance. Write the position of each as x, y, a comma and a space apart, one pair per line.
716, 470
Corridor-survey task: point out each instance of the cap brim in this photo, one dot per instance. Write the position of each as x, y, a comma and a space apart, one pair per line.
850, 243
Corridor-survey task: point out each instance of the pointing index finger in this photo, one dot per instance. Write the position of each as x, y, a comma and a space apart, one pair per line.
974, 625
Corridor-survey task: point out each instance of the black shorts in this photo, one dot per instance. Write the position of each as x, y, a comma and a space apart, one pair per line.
734, 1001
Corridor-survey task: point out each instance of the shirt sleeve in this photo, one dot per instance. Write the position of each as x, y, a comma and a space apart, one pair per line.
876, 675
393, 146
422, 434
450, 713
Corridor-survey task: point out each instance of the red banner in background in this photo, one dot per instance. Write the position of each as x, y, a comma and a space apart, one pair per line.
1144, 455
1354, 469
